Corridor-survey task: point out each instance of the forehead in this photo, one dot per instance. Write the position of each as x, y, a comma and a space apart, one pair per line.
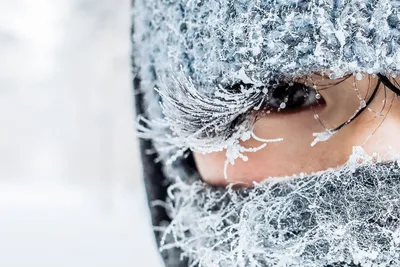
215, 42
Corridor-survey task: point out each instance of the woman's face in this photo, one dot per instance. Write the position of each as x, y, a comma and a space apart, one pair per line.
376, 129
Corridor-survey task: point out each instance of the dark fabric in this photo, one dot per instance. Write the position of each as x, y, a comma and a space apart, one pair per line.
154, 180
156, 187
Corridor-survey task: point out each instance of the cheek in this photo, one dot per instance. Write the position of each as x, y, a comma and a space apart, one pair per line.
291, 156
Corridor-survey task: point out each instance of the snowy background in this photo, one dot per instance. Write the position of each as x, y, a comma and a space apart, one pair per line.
70, 188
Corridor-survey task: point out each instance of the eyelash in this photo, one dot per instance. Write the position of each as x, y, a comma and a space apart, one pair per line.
205, 121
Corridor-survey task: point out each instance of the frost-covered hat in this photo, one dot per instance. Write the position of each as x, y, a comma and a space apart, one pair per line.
194, 57
195, 50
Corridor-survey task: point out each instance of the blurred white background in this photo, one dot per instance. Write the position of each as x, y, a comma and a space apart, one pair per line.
70, 187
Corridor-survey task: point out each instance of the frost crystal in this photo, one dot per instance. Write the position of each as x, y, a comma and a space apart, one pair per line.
347, 215
322, 136
215, 44
235, 150
193, 52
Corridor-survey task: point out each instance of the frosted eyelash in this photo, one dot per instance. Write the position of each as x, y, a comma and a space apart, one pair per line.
205, 122
199, 121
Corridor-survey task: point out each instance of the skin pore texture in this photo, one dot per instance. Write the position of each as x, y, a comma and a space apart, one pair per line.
376, 130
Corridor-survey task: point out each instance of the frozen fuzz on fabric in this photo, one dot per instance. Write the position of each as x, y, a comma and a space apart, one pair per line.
193, 53
344, 217
202, 69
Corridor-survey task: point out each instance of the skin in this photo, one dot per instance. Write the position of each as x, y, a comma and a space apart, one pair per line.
375, 133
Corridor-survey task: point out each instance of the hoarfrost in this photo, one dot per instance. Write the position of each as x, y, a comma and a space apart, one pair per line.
340, 216
236, 150
322, 136
215, 44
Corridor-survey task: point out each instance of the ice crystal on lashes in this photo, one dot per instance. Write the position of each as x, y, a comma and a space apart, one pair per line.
203, 122
218, 42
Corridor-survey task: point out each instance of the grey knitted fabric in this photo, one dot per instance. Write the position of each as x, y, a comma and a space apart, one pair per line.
213, 40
